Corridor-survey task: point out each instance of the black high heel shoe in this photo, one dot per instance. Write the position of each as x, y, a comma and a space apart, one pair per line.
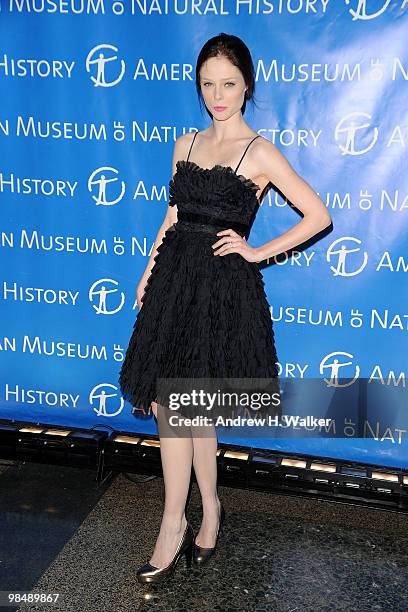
149, 574
200, 554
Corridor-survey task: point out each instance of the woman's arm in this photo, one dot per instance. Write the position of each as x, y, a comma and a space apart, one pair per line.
168, 221
315, 215
171, 212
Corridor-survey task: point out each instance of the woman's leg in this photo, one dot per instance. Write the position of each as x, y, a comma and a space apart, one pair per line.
176, 450
205, 468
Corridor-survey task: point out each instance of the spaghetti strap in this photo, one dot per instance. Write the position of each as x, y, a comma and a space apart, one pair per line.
247, 147
191, 146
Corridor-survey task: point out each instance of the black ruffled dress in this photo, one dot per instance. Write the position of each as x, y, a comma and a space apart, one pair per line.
202, 315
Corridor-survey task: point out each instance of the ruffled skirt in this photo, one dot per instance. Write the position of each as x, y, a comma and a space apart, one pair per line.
202, 316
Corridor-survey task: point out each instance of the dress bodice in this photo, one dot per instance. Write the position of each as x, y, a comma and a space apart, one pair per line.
217, 192
216, 196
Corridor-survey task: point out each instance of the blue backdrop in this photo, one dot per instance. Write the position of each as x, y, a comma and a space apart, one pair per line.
93, 96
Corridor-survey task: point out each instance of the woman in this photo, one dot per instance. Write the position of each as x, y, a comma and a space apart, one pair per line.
203, 310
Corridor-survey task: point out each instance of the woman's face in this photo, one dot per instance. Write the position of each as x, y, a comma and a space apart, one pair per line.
223, 87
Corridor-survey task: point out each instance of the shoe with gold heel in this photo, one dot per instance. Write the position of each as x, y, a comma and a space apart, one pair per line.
149, 574
200, 554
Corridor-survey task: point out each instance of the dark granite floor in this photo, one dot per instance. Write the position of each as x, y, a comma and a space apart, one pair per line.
59, 533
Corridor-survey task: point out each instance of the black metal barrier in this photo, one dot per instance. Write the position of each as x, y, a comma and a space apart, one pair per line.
111, 452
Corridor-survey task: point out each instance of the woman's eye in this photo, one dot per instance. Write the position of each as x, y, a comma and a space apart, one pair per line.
228, 83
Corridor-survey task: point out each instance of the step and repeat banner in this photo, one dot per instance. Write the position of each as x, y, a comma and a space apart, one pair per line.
93, 96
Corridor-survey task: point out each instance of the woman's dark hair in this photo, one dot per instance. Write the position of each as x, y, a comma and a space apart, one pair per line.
234, 49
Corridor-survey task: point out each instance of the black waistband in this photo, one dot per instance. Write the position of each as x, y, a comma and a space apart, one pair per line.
214, 221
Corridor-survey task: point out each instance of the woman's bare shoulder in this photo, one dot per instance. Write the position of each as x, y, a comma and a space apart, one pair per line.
182, 145
266, 152
263, 144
